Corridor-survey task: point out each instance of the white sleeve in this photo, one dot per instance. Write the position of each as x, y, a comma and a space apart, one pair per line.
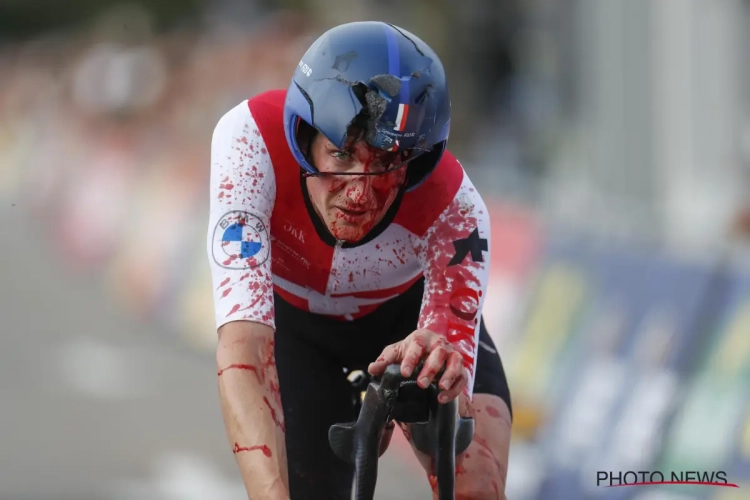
242, 190
455, 258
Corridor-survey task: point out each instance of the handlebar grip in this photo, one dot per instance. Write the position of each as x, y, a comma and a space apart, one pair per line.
442, 436
359, 442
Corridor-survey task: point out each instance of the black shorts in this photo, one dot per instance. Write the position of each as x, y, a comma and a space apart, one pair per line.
311, 353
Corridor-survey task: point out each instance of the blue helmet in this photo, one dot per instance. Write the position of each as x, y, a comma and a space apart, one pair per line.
392, 76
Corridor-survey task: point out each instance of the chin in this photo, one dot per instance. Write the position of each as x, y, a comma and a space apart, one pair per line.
345, 232
351, 233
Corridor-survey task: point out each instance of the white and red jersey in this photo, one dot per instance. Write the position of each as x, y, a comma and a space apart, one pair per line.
264, 237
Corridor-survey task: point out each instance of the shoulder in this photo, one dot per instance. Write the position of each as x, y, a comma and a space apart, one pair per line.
268, 110
264, 111
234, 122
242, 173
422, 207
237, 137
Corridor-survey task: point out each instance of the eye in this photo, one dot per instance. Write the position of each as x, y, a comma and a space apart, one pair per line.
341, 155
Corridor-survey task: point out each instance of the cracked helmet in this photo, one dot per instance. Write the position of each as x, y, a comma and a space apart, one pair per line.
381, 77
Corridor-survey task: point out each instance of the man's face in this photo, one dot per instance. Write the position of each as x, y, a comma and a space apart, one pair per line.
351, 205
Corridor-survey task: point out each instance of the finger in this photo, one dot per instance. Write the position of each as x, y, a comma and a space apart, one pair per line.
387, 357
432, 365
454, 366
413, 355
455, 391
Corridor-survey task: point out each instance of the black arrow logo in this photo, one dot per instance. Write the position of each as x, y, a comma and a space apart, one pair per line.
473, 245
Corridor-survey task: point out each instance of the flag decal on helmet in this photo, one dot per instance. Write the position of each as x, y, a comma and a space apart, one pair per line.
401, 117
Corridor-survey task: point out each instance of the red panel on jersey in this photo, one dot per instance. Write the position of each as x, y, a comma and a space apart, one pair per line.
297, 254
421, 207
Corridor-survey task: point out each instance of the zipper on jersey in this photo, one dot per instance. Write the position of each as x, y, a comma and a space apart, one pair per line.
336, 251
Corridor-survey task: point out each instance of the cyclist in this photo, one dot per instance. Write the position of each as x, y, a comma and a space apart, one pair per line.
344, 235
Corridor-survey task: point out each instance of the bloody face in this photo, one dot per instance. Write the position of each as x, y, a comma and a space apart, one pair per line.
351, 205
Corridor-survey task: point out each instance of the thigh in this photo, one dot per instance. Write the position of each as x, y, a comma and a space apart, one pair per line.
482, 469
314, 395
490, 377
484, 465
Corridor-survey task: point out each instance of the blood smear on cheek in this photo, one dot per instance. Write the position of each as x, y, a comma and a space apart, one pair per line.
336, 184
384, 185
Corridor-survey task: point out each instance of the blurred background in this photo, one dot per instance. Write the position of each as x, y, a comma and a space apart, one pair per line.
610, 139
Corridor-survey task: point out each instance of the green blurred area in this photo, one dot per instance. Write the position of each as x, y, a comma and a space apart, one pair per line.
27, 18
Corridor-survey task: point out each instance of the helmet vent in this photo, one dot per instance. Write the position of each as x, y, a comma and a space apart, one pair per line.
309, 101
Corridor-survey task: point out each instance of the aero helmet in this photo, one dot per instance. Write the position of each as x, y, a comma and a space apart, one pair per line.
384, 71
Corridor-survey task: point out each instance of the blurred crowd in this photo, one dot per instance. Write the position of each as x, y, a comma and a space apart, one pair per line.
105, 138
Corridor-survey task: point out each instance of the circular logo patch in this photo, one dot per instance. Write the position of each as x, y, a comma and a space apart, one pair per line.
240, 241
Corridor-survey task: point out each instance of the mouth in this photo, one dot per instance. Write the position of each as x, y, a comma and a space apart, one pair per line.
351, 215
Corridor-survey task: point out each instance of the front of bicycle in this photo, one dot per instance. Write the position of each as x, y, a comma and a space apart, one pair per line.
436, 430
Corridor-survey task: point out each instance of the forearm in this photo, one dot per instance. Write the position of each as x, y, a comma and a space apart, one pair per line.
250, 403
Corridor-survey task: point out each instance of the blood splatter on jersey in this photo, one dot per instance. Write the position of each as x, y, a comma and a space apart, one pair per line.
262, 227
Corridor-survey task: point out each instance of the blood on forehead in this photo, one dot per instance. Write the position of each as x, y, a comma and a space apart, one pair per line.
385, 183
372, 157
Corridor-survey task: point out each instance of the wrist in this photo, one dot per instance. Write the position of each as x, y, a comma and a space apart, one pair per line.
265, 484
275, 489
